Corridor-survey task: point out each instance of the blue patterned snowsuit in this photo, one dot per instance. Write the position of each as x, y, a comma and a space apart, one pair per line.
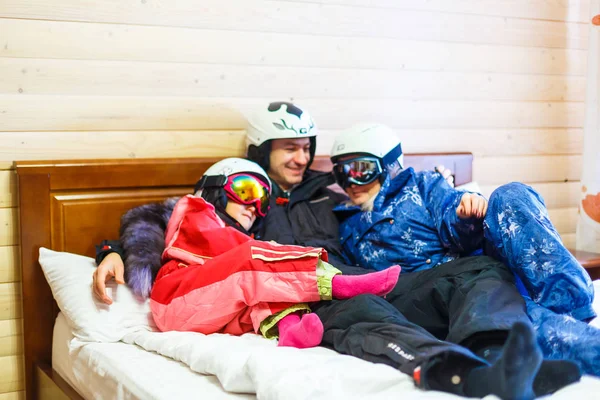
414, 224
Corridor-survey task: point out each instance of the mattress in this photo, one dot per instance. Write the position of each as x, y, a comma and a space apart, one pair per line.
188, 364
125, 371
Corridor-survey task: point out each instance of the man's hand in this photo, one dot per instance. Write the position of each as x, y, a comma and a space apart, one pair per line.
111, 267
472, 206
446, 173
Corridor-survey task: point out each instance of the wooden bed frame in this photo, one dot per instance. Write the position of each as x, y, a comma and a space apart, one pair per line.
73, 205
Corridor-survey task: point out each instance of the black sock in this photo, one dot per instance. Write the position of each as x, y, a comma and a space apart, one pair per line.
447, 372
490, 354
487, 345
554, 375
512, 375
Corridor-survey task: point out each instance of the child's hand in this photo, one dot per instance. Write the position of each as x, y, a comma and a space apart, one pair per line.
472, 206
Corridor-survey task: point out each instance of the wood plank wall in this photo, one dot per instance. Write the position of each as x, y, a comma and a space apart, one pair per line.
504, 79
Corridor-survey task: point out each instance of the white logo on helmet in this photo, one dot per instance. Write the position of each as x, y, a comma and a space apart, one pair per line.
280, 120
288, 121
226, 171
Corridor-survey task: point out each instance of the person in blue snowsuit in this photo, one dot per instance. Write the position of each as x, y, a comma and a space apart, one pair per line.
417, 220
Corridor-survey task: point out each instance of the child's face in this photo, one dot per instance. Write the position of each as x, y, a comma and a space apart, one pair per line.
245, 214
361, 194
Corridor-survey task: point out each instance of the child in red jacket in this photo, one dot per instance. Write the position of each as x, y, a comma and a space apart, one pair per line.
216, 278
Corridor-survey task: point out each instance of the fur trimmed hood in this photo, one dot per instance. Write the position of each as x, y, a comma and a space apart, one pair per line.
142, 237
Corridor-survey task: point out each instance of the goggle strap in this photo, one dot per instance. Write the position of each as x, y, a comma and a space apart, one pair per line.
392, 157
210, 181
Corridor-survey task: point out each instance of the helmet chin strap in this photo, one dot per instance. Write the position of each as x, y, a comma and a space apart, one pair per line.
230, 221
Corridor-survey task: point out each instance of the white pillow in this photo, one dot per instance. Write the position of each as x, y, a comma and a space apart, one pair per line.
70, 278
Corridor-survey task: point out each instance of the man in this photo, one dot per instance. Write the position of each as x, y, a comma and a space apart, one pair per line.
282, 139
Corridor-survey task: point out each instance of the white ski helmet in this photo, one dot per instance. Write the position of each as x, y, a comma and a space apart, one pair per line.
371, 139
215, 189
233, 165
279, 120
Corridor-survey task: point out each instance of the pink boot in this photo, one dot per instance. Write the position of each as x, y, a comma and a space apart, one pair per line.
378, 283
299, 332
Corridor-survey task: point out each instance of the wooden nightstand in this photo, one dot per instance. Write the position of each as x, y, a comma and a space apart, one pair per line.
589, 261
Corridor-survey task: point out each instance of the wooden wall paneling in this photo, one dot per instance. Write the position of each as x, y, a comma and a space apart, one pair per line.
309, 18
568, 240
10, 300
80, 113
556, 10
560, 195
9, 264
11, 373
530, 169
11, 337
480, 141
74, 40
117, 113
192, 143
121, 144
496, 142
9, 228
8, 184
110, 78
12, 396
564, 219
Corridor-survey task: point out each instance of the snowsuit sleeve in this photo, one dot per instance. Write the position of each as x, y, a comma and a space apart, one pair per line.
441, 200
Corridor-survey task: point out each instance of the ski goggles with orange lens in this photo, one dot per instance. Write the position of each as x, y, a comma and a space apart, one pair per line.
357, 171
246, 189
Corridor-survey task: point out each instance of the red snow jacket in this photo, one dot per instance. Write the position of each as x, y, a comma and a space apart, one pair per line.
216, 279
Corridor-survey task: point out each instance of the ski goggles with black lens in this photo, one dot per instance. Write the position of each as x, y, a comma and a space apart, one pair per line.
357, 171
246, 189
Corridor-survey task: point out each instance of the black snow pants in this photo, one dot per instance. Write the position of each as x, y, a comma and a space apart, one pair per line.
427, 316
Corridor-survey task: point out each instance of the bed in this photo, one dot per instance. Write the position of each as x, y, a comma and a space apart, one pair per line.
68, 206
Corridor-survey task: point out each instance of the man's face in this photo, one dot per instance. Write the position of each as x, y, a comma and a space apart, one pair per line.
288, 161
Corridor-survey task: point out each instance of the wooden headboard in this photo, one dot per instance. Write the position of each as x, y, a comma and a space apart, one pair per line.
73, 205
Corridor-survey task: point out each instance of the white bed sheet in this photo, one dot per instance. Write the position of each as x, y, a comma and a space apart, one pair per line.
124, 371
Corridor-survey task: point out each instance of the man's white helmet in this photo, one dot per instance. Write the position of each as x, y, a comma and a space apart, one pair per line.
230, 166
370, 139
279, 120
